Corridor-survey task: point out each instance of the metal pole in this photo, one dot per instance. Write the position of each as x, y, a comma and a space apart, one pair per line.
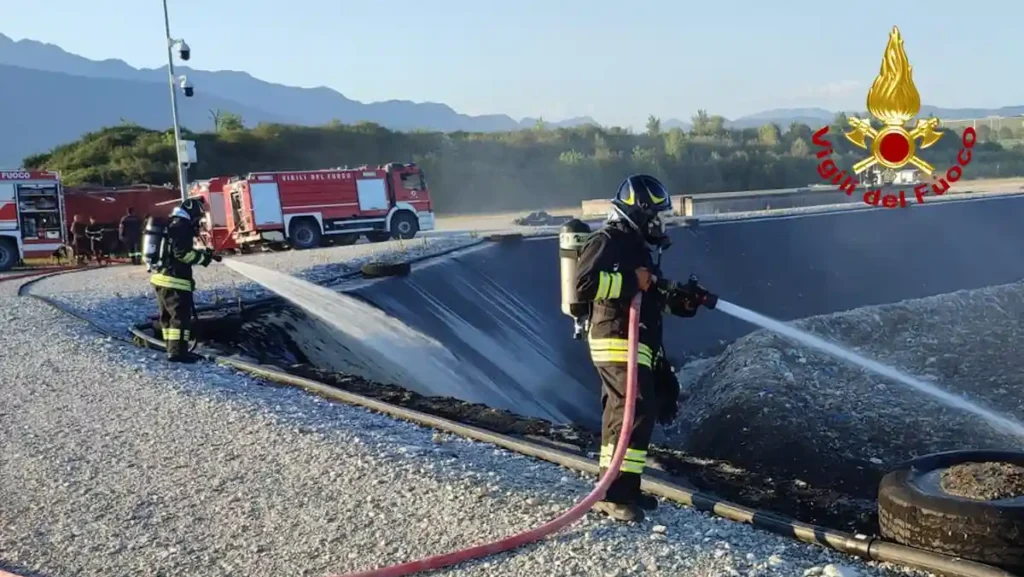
182, 173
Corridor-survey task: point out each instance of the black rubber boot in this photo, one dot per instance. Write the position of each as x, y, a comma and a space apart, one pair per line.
647, 502
626, 512
177, 352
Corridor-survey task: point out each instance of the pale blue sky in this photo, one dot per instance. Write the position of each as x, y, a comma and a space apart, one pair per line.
615, 61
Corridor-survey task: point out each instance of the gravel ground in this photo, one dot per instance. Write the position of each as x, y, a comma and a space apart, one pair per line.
781, 404
115, 463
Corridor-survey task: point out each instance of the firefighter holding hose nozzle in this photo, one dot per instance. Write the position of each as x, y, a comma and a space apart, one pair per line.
614, 264
170, 251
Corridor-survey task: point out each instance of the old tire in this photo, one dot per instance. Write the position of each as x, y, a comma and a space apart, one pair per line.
381, 236
304, 234
345, 239
505, 237
404, 225
383, 269
913, 510
8, 255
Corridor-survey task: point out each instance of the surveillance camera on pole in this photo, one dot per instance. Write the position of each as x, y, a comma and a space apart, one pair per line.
183, 50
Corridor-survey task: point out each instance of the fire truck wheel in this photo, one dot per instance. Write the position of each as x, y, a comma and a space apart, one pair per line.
304, 233
404, 225
382, 269
8, 255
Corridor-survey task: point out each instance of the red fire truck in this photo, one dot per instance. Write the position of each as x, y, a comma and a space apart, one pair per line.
219, 226
309, 208
31, 215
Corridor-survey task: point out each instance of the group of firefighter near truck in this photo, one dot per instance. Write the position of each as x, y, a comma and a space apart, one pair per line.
893, 100
311, 208
36, 212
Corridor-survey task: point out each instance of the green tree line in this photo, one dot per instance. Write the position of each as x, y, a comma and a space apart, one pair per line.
528, 169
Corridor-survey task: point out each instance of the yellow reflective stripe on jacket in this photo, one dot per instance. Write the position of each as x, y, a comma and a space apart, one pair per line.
633, 462
609, 285
165, 281
617, 351
190, 257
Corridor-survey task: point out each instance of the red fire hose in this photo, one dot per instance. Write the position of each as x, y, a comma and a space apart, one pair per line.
223, 242
31, 273
573, 514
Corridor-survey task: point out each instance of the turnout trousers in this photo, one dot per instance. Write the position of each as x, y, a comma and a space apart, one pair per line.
134, 249
175, 320
625, 488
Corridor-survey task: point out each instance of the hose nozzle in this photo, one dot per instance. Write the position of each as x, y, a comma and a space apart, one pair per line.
704, 297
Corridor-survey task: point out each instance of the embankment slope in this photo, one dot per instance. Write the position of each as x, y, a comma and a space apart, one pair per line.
498, 308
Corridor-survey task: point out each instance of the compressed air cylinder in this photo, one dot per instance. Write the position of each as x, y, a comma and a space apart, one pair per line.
570, 240
152, 236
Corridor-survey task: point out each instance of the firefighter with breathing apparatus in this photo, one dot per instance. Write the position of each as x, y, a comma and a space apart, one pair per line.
613, 265
170, 251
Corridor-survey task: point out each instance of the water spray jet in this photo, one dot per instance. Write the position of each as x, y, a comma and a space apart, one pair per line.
999, 422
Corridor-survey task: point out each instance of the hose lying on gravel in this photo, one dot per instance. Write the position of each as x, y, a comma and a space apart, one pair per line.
27, 274
861, 546
556, 524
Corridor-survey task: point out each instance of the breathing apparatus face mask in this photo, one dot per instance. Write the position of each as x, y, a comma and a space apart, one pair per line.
654, 233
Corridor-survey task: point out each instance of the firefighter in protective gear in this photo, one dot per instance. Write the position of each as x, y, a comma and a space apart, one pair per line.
615, 264
173, 278
129, 231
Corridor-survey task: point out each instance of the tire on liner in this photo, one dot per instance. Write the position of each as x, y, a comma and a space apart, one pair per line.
383, 269
913, 510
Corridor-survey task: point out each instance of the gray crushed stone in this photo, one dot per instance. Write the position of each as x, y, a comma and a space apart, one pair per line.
770, 396
984, 481
115, 463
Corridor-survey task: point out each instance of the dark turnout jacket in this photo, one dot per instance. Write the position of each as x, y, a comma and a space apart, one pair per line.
130, 228
606, 276
179, 256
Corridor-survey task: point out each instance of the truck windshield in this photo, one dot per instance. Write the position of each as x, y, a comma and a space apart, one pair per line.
413, 181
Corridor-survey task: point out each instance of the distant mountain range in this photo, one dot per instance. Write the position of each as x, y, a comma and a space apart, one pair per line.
51, 96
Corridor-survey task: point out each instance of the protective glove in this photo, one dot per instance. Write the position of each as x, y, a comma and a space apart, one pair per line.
682, 300
208, 257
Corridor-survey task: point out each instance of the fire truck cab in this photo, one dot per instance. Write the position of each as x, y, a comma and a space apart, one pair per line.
311, 208
31, 215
